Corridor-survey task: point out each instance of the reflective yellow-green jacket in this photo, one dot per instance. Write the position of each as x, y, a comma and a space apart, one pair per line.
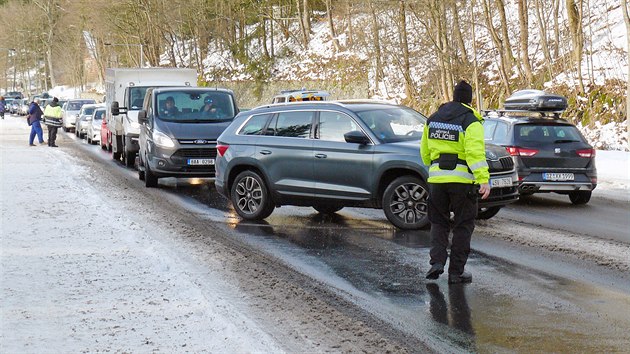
455, 129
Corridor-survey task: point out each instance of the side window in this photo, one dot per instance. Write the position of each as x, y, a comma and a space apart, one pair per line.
255, 125
488, 129
332, 126
500, 133
294, 124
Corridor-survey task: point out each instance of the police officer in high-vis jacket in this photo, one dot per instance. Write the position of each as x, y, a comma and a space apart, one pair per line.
453, 146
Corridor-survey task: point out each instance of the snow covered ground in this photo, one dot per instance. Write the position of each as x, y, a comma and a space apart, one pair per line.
65, 288
100, 287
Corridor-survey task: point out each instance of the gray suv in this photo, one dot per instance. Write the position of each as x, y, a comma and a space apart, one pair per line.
330, 155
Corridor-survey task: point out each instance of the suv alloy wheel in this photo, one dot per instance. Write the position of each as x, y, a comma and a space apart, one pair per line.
250, 196
405, 203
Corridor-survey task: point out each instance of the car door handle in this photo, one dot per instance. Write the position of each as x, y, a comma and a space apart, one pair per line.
265, 152
321, 156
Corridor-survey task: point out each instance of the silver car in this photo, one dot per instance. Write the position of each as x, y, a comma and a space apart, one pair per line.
83, 120
94, 128
70, 112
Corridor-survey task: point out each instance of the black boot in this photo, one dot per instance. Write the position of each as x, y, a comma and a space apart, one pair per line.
465, 277
435, 271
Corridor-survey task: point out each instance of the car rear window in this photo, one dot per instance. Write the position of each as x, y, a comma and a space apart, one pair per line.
76, 105
545, 134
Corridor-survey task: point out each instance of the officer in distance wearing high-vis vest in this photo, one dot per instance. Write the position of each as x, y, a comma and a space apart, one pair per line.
453, 146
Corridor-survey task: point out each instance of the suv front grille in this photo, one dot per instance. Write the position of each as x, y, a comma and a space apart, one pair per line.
505, 163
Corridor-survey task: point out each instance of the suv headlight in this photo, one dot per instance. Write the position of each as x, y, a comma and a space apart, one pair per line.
162, 140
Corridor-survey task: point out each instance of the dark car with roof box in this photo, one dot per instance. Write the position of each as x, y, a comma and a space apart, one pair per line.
550, 153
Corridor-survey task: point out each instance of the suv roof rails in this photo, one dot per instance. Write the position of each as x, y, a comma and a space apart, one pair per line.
524, 113
364, 100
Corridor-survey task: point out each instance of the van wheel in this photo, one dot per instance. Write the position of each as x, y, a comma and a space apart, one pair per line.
150, 180
405, 203
250, 196
327, 209
141, 169
487, 213
580, 197
130, 159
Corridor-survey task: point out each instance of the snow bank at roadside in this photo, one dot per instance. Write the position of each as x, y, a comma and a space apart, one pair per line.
99, 287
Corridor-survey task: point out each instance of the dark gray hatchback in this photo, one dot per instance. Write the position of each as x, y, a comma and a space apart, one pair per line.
550, 153
330, 155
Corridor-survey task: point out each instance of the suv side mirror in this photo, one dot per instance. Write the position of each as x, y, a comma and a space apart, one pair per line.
356, 137
142, 116
115, 108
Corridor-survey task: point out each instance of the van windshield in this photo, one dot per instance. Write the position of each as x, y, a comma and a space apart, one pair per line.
195, 106
136, 98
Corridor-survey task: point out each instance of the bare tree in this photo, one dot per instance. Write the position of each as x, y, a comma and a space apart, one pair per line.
52, 12
504, 60
542, 20
410, 90
524, 40
574, 12
625, 7
333, 33
378, 68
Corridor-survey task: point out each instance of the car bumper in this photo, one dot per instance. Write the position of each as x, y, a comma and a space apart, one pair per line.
534, 182
183, 162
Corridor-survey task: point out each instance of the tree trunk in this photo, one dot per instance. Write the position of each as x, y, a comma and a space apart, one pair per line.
625, 7
524, 40
544, 33
333, 34
475, 64
410, 91
378, 67
507, 47
574, 12
459, 38
350, 31
498, 43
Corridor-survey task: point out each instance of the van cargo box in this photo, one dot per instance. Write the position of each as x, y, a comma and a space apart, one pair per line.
535, 100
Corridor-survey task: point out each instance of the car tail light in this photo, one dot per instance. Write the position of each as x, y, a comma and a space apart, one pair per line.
519, 151
221, 149
588, 153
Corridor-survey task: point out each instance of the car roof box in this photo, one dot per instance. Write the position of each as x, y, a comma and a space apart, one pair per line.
535, 100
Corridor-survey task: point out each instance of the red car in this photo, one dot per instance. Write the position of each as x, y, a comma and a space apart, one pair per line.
106, 140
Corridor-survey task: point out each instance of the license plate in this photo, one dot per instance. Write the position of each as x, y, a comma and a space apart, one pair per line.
501, 182
201, 161
550, 176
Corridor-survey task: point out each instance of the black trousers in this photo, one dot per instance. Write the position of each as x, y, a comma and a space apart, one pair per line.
52, 135
461, 199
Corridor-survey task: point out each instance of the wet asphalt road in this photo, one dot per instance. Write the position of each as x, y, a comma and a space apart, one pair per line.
362, 258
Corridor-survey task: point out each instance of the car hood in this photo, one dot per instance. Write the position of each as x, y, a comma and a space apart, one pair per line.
207, 131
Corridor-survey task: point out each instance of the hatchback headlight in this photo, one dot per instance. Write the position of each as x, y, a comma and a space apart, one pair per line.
162, 140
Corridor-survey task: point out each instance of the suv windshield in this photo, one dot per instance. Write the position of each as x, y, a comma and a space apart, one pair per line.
195, 106
394, 124
526, 134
